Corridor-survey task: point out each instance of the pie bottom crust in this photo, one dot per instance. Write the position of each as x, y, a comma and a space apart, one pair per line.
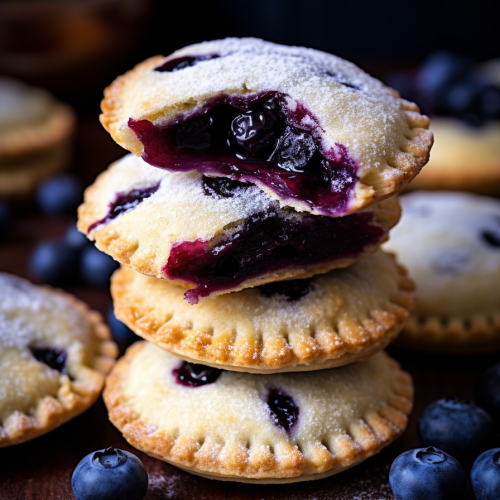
74, 396
279, 463
477, 335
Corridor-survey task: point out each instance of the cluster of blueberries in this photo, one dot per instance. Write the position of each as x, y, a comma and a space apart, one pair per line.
450, 84
456, 434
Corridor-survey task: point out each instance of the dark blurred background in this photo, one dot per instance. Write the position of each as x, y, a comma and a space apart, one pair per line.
75, 48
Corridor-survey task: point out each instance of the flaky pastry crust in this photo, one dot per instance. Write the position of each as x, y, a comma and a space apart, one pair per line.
259, 452
347, 315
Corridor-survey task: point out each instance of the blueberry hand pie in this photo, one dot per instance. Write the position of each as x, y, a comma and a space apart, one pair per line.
257, 428
450, 243
54, 354
310, 129
35, 131
216, 235
308, 324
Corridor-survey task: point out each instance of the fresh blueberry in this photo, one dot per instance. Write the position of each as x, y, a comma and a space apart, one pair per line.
96, 267
462, 98
255, 132
60, 195
110, 474
75, 239
458, 427
122, 334
485, 475
488, 392
440, 69
4, 220
53, 262
295, 150
425, 474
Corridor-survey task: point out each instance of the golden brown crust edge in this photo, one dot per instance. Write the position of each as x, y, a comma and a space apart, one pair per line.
284, 464
478, 335
74, 397
352, 341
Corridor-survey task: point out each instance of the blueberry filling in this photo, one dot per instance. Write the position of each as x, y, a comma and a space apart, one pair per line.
491, 238
268, 242
292, 290
123, 203
53, 358
183, 62
222, 187
192, 375
284, 411
255, 138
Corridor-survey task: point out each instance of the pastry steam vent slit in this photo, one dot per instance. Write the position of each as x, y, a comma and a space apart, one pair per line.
283, 409
259, 138
125, 202
194, 375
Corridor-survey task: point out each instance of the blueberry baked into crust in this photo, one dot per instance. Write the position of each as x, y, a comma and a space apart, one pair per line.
216, 235
300, 325
54, 355
310, 129
257, 428
450, 243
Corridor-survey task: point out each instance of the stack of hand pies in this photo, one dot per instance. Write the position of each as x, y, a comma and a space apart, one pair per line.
248, 222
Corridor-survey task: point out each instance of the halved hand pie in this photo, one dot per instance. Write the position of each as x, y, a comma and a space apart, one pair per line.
54, 354
310, 129
257, 428
300, 325
216, 235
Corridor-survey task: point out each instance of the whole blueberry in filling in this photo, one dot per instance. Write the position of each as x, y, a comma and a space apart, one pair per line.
265, 243
283, 409
255, 138
125, 202
192, 375
183, 62
292, 290
54, 358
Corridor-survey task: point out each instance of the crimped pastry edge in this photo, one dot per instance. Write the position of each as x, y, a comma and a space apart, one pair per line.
399, 170
326, 349
37, 138
362, 440
476, 335
74, 397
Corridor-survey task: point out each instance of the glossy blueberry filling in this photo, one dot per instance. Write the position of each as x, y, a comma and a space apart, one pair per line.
292, 290
255, 138
125, 202
183, 62
192, 375
268, 242
53, 358
284, 411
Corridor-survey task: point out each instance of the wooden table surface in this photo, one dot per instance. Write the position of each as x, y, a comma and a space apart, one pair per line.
41, 469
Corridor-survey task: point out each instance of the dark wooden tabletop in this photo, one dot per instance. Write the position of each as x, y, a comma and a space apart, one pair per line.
41, 469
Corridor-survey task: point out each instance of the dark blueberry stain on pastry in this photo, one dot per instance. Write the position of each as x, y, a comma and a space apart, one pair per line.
491, 238
341, 80
284, 411
451, 262
54, 358
193, 375
125, 202
221, 187
268, 242
184, 62
255, 137
292, 290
